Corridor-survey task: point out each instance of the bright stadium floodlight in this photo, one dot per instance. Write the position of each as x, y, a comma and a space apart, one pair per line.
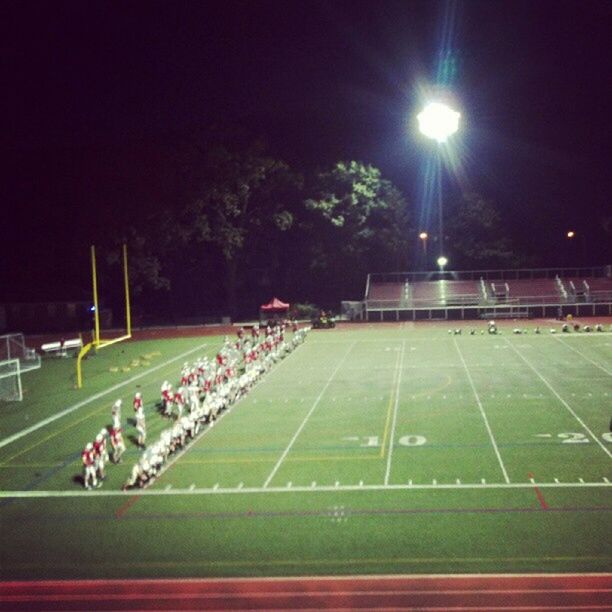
571, 234
438, 121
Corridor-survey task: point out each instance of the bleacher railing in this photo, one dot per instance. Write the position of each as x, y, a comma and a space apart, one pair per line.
476, 275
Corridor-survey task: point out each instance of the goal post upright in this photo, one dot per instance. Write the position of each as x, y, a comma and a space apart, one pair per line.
94, 280
98, 342
126, 280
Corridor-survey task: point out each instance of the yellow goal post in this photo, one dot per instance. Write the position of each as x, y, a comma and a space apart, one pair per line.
98, 342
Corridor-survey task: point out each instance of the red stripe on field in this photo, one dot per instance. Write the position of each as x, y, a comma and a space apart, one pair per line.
125, 507
539, 494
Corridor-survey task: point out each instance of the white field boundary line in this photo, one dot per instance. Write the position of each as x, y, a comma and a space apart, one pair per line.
312, 409
597, 365
482, 412
304, 489
569, 408
589, 335
186, 449
93, 398
422, 339
397, 393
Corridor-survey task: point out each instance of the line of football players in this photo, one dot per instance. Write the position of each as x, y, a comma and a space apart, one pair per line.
212, 387
95, 454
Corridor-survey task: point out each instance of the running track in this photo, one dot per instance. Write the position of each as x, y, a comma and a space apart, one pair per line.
461, 592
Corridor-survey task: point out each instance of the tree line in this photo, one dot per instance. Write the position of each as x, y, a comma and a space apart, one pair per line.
238, 225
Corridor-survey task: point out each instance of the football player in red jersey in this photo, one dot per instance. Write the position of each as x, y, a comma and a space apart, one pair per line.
137, 403
102, 452
89, 470
116, 437
166, 398
179, 401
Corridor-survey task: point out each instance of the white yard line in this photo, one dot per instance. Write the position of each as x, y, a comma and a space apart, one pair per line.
397, 394
482, 412
569, 408
93, 398
598, 365
217, 490
316, 403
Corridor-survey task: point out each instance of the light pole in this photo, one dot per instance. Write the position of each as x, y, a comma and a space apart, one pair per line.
439, 121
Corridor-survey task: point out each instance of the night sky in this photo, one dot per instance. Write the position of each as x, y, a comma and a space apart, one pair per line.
93, 92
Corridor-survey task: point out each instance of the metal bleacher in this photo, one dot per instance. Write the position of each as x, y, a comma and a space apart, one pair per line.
488, 293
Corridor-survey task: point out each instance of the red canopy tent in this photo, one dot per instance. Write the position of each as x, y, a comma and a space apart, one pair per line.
274, 305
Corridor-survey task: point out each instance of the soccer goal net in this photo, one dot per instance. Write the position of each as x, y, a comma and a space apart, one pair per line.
13, 346
10, 381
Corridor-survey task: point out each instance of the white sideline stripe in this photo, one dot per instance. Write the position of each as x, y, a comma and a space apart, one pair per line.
316, 403
484, 416
598, 365
93, 398
395, 405
217, 490
569, 408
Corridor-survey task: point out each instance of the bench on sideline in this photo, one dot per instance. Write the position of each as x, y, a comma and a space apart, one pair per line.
61, 348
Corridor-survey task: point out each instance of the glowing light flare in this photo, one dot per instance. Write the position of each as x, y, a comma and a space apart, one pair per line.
423, 235
442, 261
571, 234
438, 121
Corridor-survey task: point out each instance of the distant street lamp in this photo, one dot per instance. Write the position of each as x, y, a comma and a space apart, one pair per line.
571, 234
442, 261
424, 236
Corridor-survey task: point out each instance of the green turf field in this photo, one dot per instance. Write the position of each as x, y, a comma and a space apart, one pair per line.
381, 449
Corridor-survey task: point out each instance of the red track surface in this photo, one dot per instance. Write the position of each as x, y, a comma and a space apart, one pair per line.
464, 592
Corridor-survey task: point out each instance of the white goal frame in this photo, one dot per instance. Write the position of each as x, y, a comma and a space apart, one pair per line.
10, 391
13, 346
